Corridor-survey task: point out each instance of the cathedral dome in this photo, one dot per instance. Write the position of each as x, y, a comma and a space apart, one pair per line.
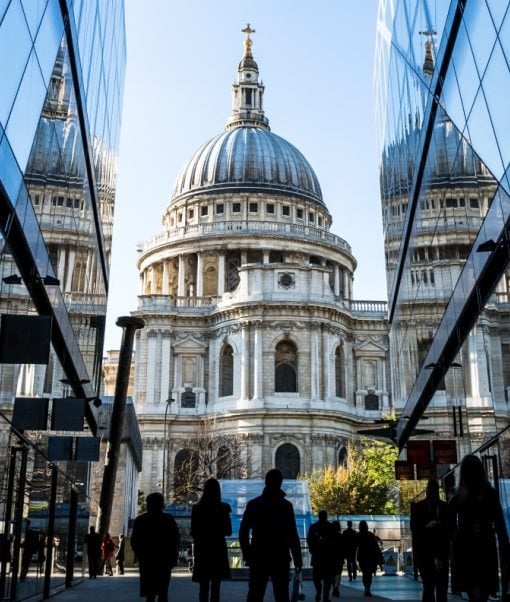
248, 157
252, 159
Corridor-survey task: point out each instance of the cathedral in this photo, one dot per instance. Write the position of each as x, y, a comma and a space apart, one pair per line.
253, 343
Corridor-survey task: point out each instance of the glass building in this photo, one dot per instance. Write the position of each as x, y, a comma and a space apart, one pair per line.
62, 76
442, 78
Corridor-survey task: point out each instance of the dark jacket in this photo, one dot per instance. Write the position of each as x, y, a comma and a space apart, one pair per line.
430, 531
210, 523
368, 552
349, 543
321, 540
155, 541
477, 521
93, 543
270, 520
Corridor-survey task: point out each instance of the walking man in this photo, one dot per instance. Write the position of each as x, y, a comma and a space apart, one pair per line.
268, 537
321, 543
349, 547
431, 543
93, 543
155, 541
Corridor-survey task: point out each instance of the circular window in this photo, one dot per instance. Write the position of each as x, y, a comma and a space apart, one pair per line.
286, 280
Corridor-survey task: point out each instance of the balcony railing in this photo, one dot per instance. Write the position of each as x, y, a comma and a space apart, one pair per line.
245, 227
380, 307
161, 302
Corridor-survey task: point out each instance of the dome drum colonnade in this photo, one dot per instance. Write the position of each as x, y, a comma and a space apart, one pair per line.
247, 299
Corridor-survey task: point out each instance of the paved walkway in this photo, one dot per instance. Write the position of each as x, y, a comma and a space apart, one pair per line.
182, 589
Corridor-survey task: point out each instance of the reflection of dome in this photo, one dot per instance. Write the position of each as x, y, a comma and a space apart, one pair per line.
249, 158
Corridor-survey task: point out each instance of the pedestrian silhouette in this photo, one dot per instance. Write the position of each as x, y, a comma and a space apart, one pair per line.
93, 542
155, 541
431, 543
120, 556
210, 524
41, 551
478, 520
339, 555
321, 544
368, 554
268, 536
107, 552
349, 546
30, 547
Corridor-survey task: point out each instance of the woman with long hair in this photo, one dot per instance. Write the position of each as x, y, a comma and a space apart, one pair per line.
210, 524
478, 520
368, 554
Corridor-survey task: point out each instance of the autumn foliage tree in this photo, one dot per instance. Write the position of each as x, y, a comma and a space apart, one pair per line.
364, 485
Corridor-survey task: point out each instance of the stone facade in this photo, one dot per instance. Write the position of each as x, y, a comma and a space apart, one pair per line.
251, 330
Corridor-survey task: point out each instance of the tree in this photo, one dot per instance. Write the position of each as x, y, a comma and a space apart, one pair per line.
205, 454
365, 485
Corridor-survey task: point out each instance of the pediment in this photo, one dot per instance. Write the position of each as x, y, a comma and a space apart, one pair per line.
190, 345
370, 347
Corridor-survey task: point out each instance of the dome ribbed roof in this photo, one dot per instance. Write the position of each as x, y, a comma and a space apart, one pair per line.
250, 159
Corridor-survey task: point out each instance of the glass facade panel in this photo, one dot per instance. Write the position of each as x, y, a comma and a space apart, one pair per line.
33, 10
445, 223
48, 39
13, 34
24, 115
56, 211
495, 79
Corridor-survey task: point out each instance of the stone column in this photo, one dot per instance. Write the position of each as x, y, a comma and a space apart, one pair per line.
151, 364
346, 285
359, 376
221, 274
154, 278
200, 274
245, 358
62, 264
336, 285
257, 361
166, 281
165, 365
326, 381
89, 280
181, 277
265, 255
314, 362
70, 270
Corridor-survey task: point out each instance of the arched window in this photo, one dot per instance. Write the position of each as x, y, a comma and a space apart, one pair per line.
342, 457
285, 373
185, 475
232, 272
226, 371
287, 460
339, 372
210, 281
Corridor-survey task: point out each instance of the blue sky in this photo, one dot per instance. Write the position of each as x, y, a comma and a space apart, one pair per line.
316, 60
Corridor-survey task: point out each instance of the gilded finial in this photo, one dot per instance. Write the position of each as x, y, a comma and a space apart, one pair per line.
248, 42
428, 63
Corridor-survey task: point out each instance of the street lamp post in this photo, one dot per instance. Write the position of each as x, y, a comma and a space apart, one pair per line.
163, 480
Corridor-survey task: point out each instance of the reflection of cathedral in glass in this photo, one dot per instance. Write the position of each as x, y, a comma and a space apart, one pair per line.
251, 330
443, 195
60, 101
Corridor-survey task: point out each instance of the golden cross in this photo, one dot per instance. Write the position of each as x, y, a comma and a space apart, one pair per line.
247, 30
